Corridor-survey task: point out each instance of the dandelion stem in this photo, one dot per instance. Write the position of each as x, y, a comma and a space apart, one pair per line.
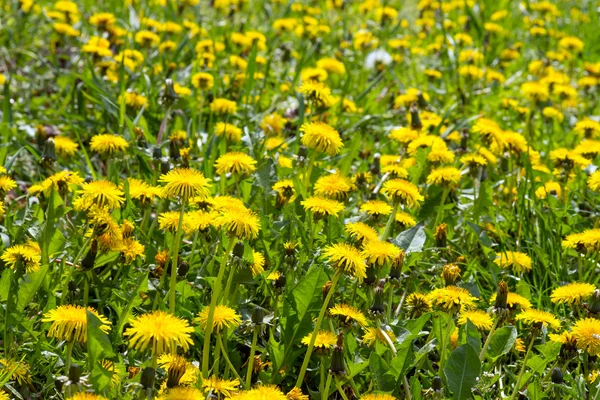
211, 312
518, 382
327, 386
340, 389
390, 223
488, 339
227, 360
313, 337
175, 258
251, 357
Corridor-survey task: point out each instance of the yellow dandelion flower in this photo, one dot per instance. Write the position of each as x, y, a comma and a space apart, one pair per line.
418, 303
445, 176
378, 252
239, 222
28, 255
223, 106
189, 377
203, 81
7, 183
402, 191
296, 394
321, 137
65, 146
378, 397
108, 144
317, 92
325, 340
131, 249
572, 293
587, 334
376, 208
373, 334
594, 181
182, 393
224, 387
186, 183
348, 314
333, 185
565, 338
361, 231
235, 162
142, 191
405, 219
533, 317
513, 300
586, 240
159, 332
480, 319
224, 317
100, 193
451, 298
322, 207
69, 322
517, 261
231, 132
258, 264
87, 396
18, 370
346, 258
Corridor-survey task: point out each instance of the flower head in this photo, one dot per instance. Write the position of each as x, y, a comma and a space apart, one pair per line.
235, 162
159, 332
99, 193
452, 297
376, 208
347, 258
185, 182
333, 185
69, 323
379, 253
587, 334
222, 387
361, 231
572, 293
322, 207
321, 137
108, 144
28, 254
402, 191
348, 314
224, 317
183, 393
518, 262
239, 222
445, 176
480, 319
533, 317
325, 340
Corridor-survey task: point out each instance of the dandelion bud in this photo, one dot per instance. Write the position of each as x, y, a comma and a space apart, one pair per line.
337, 358
557, 376
147, 379
157, 153
74, 373
238, 250
378, 307
280, 282
176, 370
170, 94
174, 150
325, 289
594, 304
165, 167
72, 286
375, 168
415, 120
371, 276
90, 258
421, 100
258, 315
302, 152
437, 385
89, 179
396, 267
501, 297
140, 137
49, 155
451, 274
183, 268
440, 235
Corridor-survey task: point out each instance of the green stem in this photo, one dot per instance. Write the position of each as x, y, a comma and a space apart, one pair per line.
313, 338
518, 382
340, 389
488, 339
7, 341
327, 386
251, 357
440, 214
211, 313
227, 360
228, 285
175, 257
390, 223
69, 354
322, 380
217, 357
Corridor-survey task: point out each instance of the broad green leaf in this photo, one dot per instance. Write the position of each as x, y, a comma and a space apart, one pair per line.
98, 343
462, 370
29, 286
470, 334
502, 341
379, 368
412, 240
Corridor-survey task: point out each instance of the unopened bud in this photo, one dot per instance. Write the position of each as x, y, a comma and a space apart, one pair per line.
74, 373
501, 303
147, 378
378, 307
594, 304
440, 235
49, 155
450, 274
557, 376
415, 120
338, 368
258, 315
176, 370
238, 250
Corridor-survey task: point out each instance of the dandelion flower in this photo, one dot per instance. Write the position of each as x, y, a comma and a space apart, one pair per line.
159, 332
325, 340
587, 334
573, 293
402, 191
594, 181
65, 146
240, 223
87, 396
100, 193
378, 252
348, 314
223, 106
321, 137
222, 387
258, 264
334, 186
513, 300
418, 304
231, 132
185, 182
480, 319
145, 193
203, 81
377, 397
296, 394
373, 334
28, 254
445, 176
18, 370
376, 208
317, 92
532, 316
108, 144
69, 322
586, 240
224, 317
7, 183
452, 297
183, 393
235, 162
322, 207
361, 231
517, 261
346, 258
